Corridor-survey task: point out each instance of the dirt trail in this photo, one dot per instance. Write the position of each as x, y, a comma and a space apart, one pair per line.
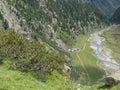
103, 53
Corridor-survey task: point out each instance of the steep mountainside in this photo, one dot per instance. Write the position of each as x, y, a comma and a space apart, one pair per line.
52, 20
108, 7
116, 17
29, 56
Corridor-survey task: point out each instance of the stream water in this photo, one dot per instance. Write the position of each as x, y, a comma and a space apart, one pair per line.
102, 53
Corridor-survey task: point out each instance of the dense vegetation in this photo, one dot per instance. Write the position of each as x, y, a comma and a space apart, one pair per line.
107, 7
116, 17
65, 18
76, 16
26, 56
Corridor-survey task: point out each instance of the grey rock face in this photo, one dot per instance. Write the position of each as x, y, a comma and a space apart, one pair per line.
61, 44
11, 17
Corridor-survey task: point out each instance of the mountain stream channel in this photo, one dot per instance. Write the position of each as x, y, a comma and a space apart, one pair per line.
101, 52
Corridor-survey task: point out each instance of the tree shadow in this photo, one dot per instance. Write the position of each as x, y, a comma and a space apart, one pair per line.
1, 63
1, 59
92, 73
104, 87
2, 89
107, 86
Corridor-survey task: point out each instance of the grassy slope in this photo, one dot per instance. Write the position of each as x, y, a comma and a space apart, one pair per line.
113, 41
100, 87
15, 80
85, 62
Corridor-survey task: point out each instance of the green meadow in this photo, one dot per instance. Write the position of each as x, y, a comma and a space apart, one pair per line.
85, 65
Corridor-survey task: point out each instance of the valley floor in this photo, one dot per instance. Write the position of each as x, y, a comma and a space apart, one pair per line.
85, 68
107, 60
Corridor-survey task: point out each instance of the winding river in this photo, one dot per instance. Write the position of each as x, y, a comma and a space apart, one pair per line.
101, 52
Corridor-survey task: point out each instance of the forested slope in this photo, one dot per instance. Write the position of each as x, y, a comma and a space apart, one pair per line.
51, 20
116, 17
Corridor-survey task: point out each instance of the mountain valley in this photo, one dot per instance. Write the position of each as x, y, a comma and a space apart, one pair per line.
59, 44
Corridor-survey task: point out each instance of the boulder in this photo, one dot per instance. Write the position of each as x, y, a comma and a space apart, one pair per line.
110, 81
15, 56
67, 70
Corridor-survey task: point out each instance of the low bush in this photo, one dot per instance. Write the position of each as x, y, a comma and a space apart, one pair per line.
35, 57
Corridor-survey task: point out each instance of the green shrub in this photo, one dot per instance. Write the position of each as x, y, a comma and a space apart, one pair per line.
34, 57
